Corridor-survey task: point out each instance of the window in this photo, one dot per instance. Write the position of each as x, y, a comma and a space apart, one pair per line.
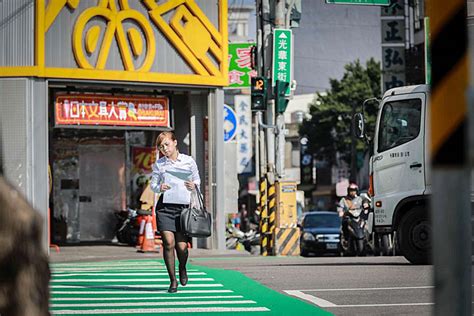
322, 220
399, 123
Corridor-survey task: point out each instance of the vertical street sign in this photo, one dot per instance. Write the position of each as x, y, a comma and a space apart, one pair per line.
393, 45
244, 133
427, 52
282, 56
363, 2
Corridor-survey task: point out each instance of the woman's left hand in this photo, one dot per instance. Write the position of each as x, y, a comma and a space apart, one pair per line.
190, 185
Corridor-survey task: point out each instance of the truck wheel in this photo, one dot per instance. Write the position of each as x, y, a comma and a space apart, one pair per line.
415, 236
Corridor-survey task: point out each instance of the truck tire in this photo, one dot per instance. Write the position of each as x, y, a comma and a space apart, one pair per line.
415, 236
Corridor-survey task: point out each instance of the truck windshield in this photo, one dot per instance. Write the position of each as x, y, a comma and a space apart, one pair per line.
399, 123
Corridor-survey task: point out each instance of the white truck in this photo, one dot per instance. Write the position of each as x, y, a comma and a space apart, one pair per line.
400, 170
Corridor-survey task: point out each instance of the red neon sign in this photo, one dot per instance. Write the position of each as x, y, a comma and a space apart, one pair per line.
112, 111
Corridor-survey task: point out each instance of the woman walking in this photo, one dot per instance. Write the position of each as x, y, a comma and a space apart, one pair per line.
168, 214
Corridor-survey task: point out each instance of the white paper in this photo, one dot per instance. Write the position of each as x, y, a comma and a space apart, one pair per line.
182, 174
178, 193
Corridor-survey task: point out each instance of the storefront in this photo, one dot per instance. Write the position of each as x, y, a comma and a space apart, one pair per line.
88, 92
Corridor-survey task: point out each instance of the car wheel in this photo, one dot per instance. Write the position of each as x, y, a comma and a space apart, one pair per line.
304, 253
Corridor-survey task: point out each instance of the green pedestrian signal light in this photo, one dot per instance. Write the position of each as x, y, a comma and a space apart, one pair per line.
281, 100
259, 93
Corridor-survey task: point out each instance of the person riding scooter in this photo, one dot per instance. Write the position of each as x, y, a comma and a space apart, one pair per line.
346, 204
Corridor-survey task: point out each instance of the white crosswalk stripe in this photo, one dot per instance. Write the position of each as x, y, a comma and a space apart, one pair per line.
126, 280
132, 286
163, 310
155, 303
139, 292
143, 298
120, 274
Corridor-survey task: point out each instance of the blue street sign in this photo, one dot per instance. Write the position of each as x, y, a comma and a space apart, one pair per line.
230, 123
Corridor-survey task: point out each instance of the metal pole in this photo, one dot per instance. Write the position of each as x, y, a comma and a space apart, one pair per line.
451, 216
280, 22
257, 158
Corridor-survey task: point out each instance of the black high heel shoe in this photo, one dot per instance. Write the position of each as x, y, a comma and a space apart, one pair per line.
173, 289
183, 276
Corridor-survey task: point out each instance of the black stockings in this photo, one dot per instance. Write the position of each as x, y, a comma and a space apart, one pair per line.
172, 241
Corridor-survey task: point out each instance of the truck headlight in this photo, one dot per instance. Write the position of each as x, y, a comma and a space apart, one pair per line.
308, 237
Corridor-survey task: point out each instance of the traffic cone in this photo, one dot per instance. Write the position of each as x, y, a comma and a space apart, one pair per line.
141, 232
148, 244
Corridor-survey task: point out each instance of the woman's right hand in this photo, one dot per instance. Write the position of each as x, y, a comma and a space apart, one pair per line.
164, 187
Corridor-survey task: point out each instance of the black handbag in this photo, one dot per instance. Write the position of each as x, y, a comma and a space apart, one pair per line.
196, 221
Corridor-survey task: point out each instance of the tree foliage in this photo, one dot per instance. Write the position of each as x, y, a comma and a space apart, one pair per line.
329, 129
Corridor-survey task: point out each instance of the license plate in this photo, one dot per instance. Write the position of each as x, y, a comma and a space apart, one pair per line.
331, 246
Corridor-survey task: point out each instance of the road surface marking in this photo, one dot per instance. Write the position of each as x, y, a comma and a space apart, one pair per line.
136, 304
131, 286
126, 280
140, 292
162, 310
313, 299
147, 298
120, 274
56, 270
386, 305
369, 289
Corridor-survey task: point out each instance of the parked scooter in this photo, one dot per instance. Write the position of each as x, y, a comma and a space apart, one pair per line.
127, 226
357, 233
237, 239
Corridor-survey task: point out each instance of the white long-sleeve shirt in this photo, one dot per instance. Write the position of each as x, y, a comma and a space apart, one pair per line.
164, 163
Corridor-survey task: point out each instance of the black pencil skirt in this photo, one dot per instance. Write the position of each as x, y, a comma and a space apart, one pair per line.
168, 216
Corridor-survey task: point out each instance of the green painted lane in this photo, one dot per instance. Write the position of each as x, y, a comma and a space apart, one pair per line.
138, 287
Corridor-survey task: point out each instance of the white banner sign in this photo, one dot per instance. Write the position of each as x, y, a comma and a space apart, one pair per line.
244, 133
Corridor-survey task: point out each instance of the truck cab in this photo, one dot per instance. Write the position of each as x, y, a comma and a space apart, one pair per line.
400, 171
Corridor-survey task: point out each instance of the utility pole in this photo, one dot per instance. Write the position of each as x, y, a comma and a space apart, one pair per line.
451, 209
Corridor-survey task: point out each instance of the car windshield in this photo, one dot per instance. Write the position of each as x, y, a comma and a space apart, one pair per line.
322, 220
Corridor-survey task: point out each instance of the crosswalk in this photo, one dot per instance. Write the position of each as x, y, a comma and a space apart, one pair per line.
139, 287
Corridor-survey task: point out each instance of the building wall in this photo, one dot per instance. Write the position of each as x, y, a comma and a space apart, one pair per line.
329, 37
24, 135
16, 32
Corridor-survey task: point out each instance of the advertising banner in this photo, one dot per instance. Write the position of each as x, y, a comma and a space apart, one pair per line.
240, 65
100, 110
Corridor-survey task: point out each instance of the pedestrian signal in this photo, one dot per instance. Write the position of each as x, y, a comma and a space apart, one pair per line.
281, 100
259, 93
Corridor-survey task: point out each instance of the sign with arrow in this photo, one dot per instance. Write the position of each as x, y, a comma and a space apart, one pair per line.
282, 57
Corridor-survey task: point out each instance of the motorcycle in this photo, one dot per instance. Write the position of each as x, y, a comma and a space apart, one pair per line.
127, 227
357, 229
237, 239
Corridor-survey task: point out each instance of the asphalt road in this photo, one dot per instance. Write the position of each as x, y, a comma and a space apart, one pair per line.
342, 286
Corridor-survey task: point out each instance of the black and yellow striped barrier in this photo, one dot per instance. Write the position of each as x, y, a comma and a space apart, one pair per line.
449, 81
264, 240
287, 241
271, 217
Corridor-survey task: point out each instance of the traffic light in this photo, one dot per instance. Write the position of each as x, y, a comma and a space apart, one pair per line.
281, 100
259, 93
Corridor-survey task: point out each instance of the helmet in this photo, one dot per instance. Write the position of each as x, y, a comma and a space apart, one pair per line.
352, 187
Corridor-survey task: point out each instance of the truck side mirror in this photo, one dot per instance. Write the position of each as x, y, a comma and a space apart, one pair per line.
359, 125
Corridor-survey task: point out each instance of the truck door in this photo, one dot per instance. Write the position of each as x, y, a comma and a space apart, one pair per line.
398, 162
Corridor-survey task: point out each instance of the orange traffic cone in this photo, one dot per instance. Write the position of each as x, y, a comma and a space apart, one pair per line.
148, 244
141, 232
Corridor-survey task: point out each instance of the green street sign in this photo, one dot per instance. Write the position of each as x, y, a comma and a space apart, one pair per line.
363, 2
282, 57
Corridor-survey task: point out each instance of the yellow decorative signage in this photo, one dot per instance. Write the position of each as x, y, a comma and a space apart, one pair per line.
113, 40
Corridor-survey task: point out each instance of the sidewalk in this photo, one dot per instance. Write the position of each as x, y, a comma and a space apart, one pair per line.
118, 252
